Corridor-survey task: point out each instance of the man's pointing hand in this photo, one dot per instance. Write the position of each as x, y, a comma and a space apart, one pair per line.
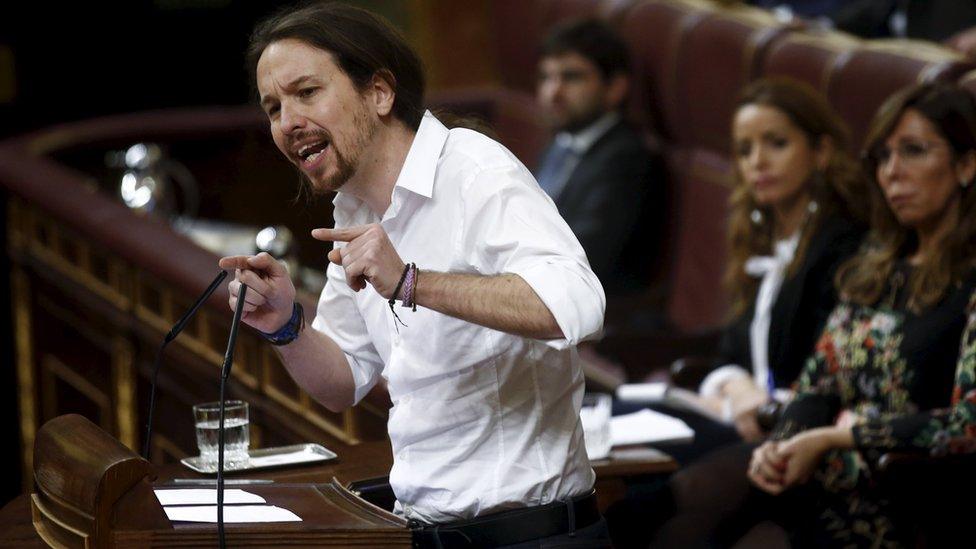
368, 256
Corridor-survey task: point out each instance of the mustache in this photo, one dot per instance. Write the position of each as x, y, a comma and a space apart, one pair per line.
304, 135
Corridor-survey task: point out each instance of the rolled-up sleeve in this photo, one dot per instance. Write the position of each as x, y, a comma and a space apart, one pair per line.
511, 226
338, 317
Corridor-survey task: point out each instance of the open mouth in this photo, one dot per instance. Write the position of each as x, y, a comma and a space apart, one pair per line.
310, 153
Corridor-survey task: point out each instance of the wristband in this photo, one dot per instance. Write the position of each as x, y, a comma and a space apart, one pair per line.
289, 332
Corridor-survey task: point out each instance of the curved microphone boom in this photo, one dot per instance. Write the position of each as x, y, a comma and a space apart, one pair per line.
175, 331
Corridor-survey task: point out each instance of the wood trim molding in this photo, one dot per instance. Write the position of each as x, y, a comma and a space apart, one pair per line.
26, 386
124, 382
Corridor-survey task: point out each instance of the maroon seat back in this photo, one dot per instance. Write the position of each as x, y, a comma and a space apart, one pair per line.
719, 55
655, 33
807, 56
862, 78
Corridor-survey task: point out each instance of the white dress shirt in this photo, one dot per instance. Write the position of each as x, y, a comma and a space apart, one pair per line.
482, 420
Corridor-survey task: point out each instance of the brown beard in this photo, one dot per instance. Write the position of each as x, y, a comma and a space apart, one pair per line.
347, 162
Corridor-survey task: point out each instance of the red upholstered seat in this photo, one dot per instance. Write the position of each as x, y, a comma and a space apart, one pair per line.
655, 32
719, 55
864, 77
807, 56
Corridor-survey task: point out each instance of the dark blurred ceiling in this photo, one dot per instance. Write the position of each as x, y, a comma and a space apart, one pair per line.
63, 61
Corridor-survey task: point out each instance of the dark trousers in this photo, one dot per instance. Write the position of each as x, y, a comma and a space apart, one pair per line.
573, 523
594, 536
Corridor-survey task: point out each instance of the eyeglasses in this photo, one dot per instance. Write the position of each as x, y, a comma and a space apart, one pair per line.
910, 152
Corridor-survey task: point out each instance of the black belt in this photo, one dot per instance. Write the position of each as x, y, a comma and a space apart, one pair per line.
509, 527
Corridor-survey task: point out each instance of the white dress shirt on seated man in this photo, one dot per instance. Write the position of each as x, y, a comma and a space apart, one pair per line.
482, 420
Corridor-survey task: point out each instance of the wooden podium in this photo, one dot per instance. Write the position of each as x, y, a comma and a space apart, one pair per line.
93, 492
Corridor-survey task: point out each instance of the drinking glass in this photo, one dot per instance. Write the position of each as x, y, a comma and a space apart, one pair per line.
237, 437
595, 417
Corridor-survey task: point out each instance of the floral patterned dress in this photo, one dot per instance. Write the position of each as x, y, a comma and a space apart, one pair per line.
912, 380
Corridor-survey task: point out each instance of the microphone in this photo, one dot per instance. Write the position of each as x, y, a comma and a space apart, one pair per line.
224, 374
175, 331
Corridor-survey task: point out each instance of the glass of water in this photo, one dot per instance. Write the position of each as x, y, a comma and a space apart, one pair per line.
595, 417
237, 437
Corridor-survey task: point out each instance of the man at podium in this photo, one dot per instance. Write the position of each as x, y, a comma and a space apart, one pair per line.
452, 277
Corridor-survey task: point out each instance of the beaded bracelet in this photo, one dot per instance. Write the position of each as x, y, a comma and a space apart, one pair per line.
289, 332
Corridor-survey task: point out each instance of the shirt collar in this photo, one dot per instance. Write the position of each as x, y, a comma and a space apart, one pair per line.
419, 167
581, 141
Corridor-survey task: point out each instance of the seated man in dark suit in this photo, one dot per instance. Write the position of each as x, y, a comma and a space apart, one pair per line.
607, 185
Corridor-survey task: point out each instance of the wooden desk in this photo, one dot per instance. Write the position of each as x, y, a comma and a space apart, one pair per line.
363, 461
133, 518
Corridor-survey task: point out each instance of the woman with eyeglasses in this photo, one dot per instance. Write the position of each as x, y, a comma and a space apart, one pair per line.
895, 368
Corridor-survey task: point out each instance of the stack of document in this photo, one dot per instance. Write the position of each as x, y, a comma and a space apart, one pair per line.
649, 427
200, 505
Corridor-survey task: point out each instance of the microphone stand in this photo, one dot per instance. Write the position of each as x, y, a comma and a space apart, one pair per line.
175, 331
224, 374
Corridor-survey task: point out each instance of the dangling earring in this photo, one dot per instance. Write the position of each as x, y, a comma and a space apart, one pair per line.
812, 207
756, 216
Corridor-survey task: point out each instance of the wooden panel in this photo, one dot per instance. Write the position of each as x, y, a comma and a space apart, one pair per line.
104, 311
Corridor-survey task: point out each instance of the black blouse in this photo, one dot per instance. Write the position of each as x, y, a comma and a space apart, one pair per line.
801, 308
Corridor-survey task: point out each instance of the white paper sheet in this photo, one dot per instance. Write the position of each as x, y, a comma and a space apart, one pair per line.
232, 514
642, 392
204, 496
279, 459
648, 426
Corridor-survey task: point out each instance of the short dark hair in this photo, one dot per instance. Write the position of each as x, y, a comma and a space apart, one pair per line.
594, 40
363, 44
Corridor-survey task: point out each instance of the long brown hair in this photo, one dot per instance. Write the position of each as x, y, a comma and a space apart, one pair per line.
364, 45
839, 189
864, 278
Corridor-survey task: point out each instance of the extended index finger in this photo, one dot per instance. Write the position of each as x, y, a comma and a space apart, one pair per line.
234, 262
346, 234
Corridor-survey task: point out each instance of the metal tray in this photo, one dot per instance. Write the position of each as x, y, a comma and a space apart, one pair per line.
265, 458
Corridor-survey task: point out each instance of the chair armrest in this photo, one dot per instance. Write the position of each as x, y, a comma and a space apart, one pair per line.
917, 471
925, 491
689, 372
